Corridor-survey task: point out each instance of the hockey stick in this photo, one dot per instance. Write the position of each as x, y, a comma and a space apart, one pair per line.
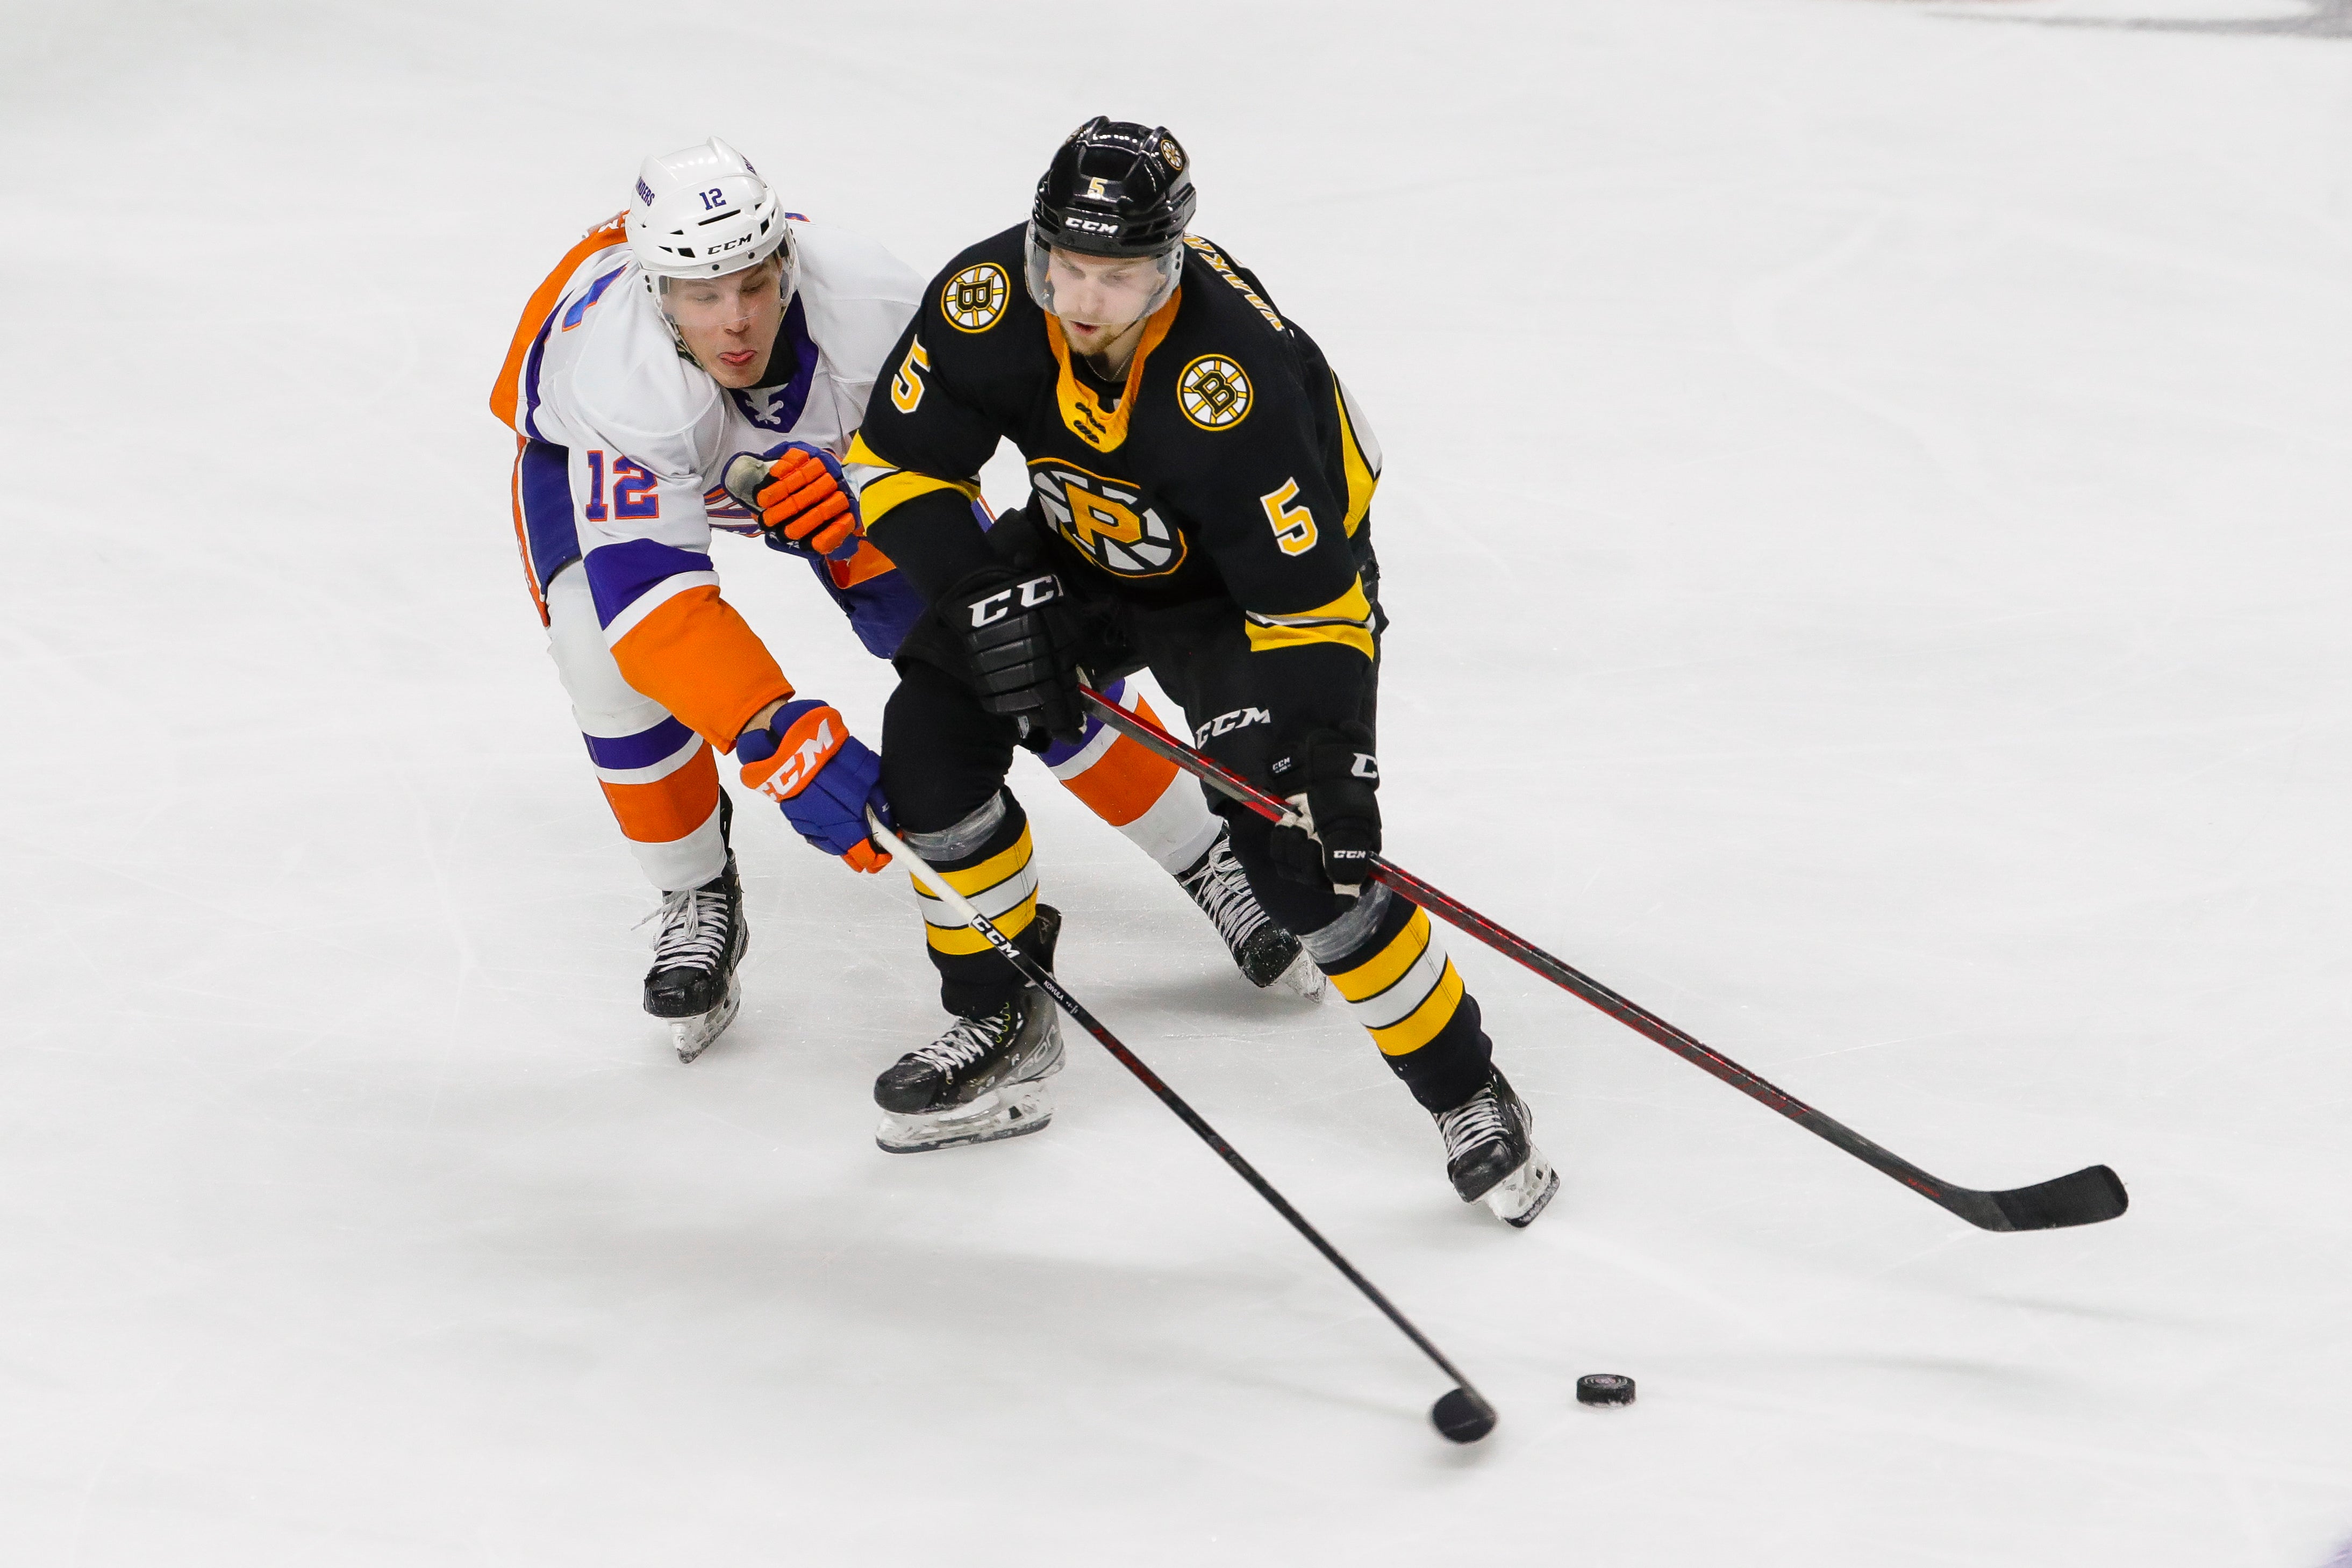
1461, 1413
2084, 1198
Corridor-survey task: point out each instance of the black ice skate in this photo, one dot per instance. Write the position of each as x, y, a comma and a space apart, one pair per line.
692, 983
1491, 1155
1264, 952
985, 1078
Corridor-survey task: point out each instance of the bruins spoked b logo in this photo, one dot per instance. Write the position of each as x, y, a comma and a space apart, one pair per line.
1107, 519
1213, 394
974, 298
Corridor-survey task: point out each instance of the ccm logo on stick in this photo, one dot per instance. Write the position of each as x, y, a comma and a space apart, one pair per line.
997, 606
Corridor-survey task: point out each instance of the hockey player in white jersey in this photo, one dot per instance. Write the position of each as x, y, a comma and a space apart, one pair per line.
705, 332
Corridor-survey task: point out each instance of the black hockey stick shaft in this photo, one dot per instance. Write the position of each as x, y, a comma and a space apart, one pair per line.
1042, 977
2083, 1197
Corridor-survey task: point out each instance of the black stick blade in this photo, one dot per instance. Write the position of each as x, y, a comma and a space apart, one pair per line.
1462, 1416
2084, 1197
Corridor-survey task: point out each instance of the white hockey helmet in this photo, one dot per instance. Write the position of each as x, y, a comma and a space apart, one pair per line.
704, 211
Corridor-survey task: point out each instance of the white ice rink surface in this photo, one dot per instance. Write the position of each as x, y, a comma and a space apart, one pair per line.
1866, 506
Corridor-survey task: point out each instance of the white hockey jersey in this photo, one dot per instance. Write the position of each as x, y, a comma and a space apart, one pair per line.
623, 443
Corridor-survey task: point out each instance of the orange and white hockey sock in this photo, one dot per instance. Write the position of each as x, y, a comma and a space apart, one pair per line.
1140, 793
658, 776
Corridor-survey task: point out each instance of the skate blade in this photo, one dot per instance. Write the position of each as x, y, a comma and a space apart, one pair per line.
694, 1036
1011, 1113
1304, 979
1521, 1196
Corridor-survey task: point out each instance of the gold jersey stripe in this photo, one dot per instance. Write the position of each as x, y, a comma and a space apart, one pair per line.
886, 485
1347, 621
1385, 967
1267, 639
1361, 480
894, 490
1423, 1024
963, 939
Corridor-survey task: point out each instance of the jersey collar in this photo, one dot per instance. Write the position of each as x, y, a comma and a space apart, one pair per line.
1105, 430
778, 403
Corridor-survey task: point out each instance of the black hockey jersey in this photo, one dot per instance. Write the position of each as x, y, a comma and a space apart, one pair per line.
1231, 464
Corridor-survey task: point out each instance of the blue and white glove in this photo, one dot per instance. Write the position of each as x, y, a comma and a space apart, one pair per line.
805, 760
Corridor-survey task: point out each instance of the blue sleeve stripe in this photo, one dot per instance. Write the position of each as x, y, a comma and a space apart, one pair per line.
548, 528
530, 382
596, 292
642, 749
621, 574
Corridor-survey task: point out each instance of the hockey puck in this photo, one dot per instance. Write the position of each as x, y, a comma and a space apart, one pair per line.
1463, 1418
1604, 1388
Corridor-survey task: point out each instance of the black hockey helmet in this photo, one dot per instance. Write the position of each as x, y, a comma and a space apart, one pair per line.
1115, 188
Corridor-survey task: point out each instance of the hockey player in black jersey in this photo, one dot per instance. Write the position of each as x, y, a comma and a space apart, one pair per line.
1202, 490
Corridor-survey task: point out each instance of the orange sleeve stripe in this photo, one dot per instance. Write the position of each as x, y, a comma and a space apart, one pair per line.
671, 807
697, 657
508, 393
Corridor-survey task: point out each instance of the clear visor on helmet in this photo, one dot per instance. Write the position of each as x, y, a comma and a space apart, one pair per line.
1100, 290
709, 316
716, 301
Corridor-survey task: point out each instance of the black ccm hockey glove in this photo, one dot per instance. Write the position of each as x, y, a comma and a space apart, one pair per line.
1014, 627
1330, 778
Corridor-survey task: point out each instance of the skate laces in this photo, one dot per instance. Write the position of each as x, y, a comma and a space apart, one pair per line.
1477, 1120
967, 1042
693, 929
1221, 890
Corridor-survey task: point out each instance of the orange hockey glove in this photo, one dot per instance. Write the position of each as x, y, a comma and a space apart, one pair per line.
804, 504
807, 501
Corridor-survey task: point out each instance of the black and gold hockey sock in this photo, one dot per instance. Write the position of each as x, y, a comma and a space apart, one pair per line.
984, 857
1383, 955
